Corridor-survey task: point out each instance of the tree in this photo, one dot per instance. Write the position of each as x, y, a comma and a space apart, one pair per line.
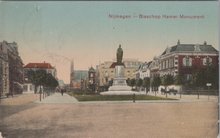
155, 82
41, 78
198, 78
37, 77
132, 83
50, 81
139, 83
110, 83
167, 80
146, 83
179, 80
128, 81
208, 74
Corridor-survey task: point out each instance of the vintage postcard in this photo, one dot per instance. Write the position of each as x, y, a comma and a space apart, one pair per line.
113, 69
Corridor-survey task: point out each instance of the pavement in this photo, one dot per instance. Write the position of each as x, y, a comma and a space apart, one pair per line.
188, 98
57, 98
62, 116
19, 99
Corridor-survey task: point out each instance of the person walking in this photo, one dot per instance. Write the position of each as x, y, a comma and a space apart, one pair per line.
62, 91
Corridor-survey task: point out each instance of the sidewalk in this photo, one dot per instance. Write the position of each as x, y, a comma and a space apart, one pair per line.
57, 98
20, 99
187, 97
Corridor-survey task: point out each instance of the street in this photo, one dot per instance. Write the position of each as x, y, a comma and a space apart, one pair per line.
55, 118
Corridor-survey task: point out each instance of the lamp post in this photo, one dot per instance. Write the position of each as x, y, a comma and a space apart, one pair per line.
208, 85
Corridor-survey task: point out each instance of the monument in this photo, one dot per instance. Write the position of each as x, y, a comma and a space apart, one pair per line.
119, 86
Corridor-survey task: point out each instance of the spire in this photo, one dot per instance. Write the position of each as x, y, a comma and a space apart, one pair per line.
178, 43
71, 72
72, 66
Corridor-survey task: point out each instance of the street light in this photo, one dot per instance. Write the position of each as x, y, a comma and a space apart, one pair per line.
208, 85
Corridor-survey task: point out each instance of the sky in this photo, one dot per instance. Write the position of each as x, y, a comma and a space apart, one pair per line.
58, 32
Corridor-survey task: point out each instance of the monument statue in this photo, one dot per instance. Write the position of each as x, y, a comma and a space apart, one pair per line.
119, 85
119, 55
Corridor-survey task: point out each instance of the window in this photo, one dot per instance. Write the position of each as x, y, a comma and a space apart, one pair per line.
162, 65
167, 63
187, 61
207, 61
188, 77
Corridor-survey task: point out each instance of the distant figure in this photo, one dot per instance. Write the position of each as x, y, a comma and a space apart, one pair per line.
119, 55
62, 91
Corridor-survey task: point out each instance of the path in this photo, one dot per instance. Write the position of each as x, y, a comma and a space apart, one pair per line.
57, 98
188, 98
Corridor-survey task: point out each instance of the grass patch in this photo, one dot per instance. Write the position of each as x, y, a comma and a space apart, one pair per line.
117, 97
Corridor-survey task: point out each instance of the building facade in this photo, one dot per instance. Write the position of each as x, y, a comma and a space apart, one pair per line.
41, 66
80, 79
184, 59
143, 70
28, 86
11, 69
4, 71
106, 71
92, 79
154, 67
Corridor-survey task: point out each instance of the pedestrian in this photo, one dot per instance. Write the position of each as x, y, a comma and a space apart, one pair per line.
62, 92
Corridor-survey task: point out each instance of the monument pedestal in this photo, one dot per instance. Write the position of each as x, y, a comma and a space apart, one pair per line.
119, 82
119, 86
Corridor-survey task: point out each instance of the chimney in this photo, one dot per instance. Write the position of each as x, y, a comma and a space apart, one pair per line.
205, 43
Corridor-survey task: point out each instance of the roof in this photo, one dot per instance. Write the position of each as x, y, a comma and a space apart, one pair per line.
145, 65
39, 65
91, 69
190, 48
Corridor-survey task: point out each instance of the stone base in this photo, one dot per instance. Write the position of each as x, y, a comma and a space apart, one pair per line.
119, 88
122, 93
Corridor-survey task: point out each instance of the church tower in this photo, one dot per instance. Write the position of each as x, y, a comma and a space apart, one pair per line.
72, 73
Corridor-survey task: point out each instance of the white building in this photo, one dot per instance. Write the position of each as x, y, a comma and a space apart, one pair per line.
29, 87
106, 70
143, 70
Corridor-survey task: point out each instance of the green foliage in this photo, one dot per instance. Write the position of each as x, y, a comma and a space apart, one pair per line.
110, 83
117, 97
208, 74
167, 80
179, 80
155, 81
128, 81
132, 83
50, 81
40, 77
139, 82
146, 83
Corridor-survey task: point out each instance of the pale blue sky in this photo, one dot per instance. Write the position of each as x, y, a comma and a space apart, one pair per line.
58, 31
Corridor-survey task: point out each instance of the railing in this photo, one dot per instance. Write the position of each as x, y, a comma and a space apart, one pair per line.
201, 92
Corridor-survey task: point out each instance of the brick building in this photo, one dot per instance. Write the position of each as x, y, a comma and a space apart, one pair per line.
184, 59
